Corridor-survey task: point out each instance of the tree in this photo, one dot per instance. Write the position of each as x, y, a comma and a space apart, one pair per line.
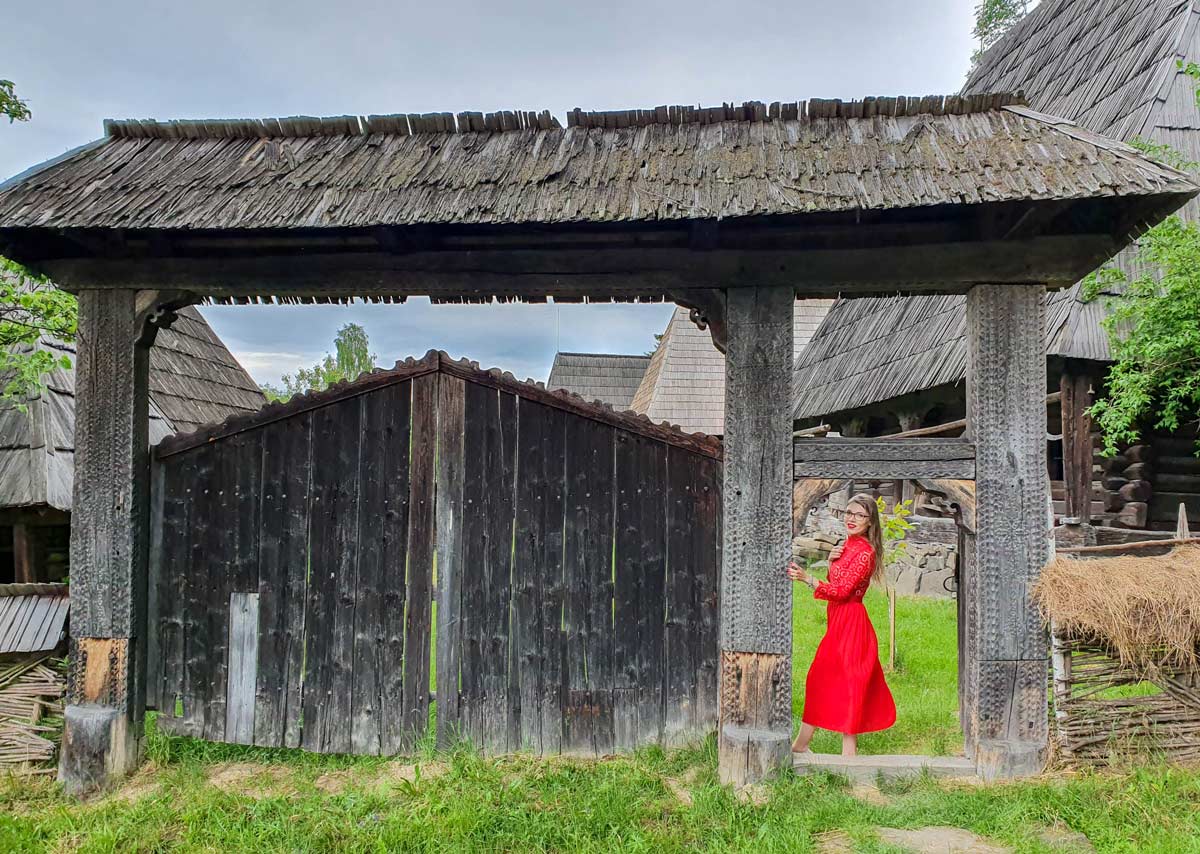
993, 18
30, 307
1153, 323
353, 358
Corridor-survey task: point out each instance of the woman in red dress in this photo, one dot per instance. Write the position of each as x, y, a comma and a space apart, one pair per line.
845, 691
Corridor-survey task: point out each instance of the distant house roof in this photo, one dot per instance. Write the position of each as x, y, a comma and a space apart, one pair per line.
608, 378
685, 381
1107, 65
33, 617
656, 165
870, 350
193, 380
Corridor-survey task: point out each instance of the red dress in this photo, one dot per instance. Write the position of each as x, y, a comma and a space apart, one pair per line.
845, 690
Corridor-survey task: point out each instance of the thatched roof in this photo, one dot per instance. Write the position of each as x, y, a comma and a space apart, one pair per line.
1147, 609
872, 350
685, 382
193, 380
1108, 65
608, 378
640, 165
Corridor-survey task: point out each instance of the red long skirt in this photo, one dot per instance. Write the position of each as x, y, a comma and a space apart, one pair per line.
845, 690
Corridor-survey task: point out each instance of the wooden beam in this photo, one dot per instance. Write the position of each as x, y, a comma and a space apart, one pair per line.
1076, 391
1121, 548
886, 469
24, 569
883, 448
109, 541
1005, 708
598, 273
756, 595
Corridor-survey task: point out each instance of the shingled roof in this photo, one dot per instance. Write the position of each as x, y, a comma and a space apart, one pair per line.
685, 382
193, 380
609, 378
638, 165
871, 350
1107, 65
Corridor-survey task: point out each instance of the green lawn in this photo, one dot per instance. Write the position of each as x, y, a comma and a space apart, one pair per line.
195, 796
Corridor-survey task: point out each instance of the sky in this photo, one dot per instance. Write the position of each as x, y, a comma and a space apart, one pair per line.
78, 62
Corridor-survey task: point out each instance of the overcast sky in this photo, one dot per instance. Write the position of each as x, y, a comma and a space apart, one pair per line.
78, 62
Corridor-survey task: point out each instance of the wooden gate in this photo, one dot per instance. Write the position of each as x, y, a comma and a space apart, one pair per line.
572, 553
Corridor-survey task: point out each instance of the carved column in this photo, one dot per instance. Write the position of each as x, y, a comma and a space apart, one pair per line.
109, 540
1004, 697
756, 595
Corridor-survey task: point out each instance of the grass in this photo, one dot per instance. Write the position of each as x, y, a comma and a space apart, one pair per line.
200, 797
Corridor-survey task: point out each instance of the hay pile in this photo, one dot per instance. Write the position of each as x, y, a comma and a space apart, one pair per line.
1145, 609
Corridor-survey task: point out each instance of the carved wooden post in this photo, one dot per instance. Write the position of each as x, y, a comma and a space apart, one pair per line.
1004, 708
756, 595
106, 686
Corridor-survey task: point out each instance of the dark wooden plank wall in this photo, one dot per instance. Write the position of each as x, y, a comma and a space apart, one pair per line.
589, 600
576, 566
311, 516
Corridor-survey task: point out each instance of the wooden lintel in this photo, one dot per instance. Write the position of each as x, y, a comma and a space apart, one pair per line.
886, 469
842, 449
625, 273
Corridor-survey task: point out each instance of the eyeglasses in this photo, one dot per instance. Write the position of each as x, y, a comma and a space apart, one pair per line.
854, 514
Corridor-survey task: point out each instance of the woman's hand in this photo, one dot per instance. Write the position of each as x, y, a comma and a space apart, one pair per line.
797, 574
837, 551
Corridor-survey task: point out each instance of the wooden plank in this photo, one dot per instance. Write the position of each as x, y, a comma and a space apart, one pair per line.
24, 556
639, 591
382, 591
1077, 443
499, 667
154, 581
198, 673
708, 585
528, 578
886, 469
418, 613
550, 565
881, 449
243, 667
473, 582
176, 478
329, 619
756, 596
283, 580
588, 608
451, 521
685, 545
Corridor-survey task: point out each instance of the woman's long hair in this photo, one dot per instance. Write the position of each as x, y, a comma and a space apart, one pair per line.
874, 534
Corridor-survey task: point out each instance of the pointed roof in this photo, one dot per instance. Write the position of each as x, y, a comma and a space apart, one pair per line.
194, 379
685, 381
608, 378
1106, 65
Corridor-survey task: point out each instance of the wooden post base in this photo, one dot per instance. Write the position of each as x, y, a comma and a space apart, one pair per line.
99, 747
756, 716
1009, 760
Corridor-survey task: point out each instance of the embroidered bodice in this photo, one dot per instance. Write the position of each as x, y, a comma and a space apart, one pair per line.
849, 575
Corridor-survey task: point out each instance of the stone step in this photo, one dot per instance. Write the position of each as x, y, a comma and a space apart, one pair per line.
868, 769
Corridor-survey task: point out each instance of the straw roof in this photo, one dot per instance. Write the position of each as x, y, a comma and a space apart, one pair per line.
193, 380
1147, 609
604, 377
638, 165
685, 382
872, 350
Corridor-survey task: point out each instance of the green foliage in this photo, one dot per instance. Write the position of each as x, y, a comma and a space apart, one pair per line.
352, 357
993, 19
895, 528
12, 106
1154, 330
30, 307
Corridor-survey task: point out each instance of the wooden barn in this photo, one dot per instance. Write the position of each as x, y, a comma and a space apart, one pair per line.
573, 553
194, 380
889, 366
